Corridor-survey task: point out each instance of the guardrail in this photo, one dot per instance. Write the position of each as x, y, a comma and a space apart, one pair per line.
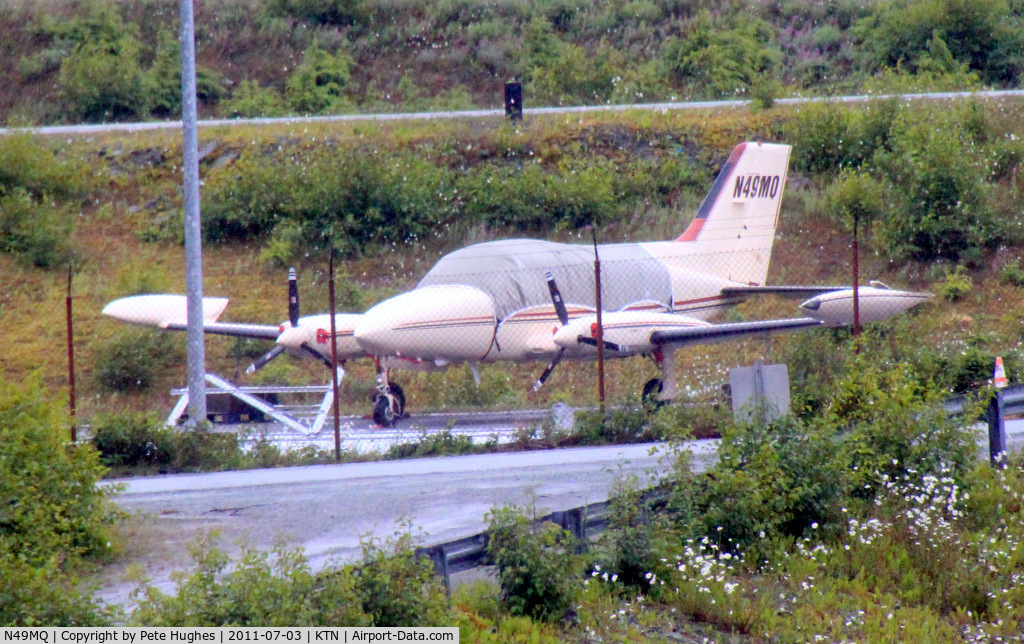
590, 520
581, 522
1006, 402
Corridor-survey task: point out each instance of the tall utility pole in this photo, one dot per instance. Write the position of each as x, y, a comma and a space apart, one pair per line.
193, 234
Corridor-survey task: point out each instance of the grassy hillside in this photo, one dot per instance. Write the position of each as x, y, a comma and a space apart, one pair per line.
101, 60
111, 207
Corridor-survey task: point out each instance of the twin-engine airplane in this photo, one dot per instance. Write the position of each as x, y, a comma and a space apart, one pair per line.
524, 300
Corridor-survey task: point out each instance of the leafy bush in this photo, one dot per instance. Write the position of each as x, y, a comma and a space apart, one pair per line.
828, 137
38, 233
985, 35
250, 100
162, 81
786, 479
397, 587
942, 199
636, 546
716, 61
771, 481
956, 285
262, 589
35, 185
856, 197
355, 197
577, 77
538, 573
316, 85
441, 444
133, 440
45, 595
128, 360
52, 510
102, 80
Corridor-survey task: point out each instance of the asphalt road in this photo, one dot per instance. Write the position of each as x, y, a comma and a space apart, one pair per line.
61, 130
327, 510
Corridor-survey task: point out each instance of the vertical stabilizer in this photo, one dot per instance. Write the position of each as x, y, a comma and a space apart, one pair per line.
739, 215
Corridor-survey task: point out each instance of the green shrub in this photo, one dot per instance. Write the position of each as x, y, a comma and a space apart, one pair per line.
45, 595
985, 35
250, 100
719, 61
636, 547
133, 440
576, 77
956, 285
1012, 273
942, 205
538, 573
102, 81
771, 481
128, 360
52, 509
317, 84
262, 589
37, 232
828, 137
357, 197
856, 197
440, 444
397, 587
897, 425
162, 81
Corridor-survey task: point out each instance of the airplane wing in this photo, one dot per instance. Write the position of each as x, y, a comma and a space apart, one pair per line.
257, 331
714, 332
171, 312
804, 292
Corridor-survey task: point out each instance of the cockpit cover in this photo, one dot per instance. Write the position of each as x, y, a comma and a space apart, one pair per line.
512, 272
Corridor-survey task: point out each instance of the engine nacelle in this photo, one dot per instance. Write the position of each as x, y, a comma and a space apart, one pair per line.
630, 330
448, 323
836, 307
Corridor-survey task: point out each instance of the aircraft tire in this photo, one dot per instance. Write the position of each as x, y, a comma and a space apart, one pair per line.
652, 388
398, 393
384, 411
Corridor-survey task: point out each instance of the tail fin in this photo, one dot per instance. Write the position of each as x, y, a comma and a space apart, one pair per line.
746, 195
739, 215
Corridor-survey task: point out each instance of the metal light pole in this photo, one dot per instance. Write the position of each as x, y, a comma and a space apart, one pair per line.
600, 326
71, 358
193, 237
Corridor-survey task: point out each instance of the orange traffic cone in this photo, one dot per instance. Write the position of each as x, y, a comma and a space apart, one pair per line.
999, 377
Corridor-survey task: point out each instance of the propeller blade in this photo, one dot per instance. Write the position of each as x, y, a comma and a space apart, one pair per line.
548, 370
262, 362
293, 298
556, 299
319, 356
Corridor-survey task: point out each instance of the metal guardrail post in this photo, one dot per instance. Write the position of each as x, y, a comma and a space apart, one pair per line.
996, 430
439, 558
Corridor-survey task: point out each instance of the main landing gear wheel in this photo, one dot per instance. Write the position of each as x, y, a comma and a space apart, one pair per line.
649, 397
384, 410
388, 406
